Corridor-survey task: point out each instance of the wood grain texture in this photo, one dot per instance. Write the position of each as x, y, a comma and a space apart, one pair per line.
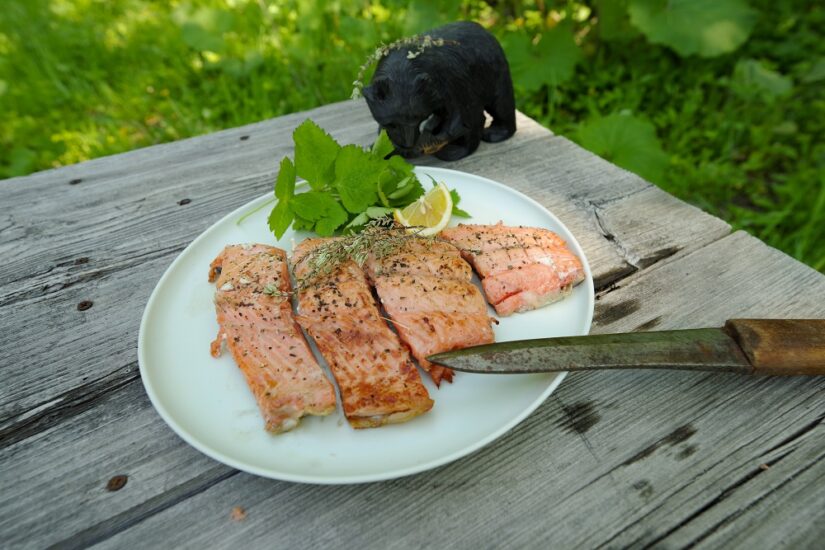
108, 238
781, 346
615, 458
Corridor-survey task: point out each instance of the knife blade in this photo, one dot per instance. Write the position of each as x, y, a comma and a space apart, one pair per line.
742, 346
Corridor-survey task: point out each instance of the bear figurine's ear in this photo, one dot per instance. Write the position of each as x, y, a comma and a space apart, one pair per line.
378, 90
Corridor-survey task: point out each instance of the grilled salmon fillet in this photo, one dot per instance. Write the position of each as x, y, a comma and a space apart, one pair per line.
378, 381
425, 289
264, 338
522, 268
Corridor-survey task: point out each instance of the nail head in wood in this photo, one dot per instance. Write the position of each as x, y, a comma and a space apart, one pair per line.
117, 483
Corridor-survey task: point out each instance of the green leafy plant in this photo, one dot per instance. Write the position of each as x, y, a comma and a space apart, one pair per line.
546, 60
752, 79
627, 141
738, 119
703, 27
349, 185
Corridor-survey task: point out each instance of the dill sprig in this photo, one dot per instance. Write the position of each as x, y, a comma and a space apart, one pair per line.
419, 41
379, 239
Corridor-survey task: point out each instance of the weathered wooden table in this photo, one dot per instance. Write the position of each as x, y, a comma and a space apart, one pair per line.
634, 458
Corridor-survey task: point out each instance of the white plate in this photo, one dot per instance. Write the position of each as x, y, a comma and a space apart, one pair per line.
207, 403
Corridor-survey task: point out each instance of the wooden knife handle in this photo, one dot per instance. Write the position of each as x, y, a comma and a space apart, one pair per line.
781, 346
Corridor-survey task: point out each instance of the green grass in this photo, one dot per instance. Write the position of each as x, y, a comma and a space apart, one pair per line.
739, 134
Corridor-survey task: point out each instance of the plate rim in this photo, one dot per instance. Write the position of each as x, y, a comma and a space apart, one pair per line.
359, 478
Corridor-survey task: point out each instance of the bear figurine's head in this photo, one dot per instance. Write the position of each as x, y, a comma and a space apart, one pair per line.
406, 103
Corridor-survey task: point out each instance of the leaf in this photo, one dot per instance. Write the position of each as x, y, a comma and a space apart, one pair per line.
400, 165
550, 62
358, 220
399, 189
21, 161
285, 184
327, 226
627, 141
456, 210
280, 218
356, 178
203, 30
301, 224
315, 153
817, 71
751, 79
382, 146
375, 212
321, 208
704, 27
614, 22
313, 205
198, 38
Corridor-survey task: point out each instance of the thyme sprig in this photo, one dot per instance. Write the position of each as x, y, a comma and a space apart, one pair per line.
379, 239
418, 41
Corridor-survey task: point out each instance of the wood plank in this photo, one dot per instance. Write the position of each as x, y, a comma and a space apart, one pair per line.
612, 457
109, 238
54, 483
779, 504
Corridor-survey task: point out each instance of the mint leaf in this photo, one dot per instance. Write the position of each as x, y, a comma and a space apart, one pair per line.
320, 208
280, 218
335, 219
400, 165
358, 220
313, 205
456, 210
301, 224
382, 146
398, 189
356, 176
375, 212
315, 153
285, 184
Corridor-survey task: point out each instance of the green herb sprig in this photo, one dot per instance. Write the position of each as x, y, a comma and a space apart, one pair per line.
349, 185
419, 42
379, 239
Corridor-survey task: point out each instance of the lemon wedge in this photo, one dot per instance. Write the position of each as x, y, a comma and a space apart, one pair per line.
429, 214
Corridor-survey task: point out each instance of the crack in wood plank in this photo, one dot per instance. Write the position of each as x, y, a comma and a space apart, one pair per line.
47, 415
129, 518
726, 492
629, 257
795, 436
68, 279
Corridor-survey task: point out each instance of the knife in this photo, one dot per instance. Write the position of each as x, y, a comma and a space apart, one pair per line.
743, 346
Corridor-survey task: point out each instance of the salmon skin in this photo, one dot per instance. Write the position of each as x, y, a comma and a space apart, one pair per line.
378, 381
264, 338
522, 268
426, 290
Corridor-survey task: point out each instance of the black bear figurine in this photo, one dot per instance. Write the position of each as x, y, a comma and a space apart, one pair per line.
431, 100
